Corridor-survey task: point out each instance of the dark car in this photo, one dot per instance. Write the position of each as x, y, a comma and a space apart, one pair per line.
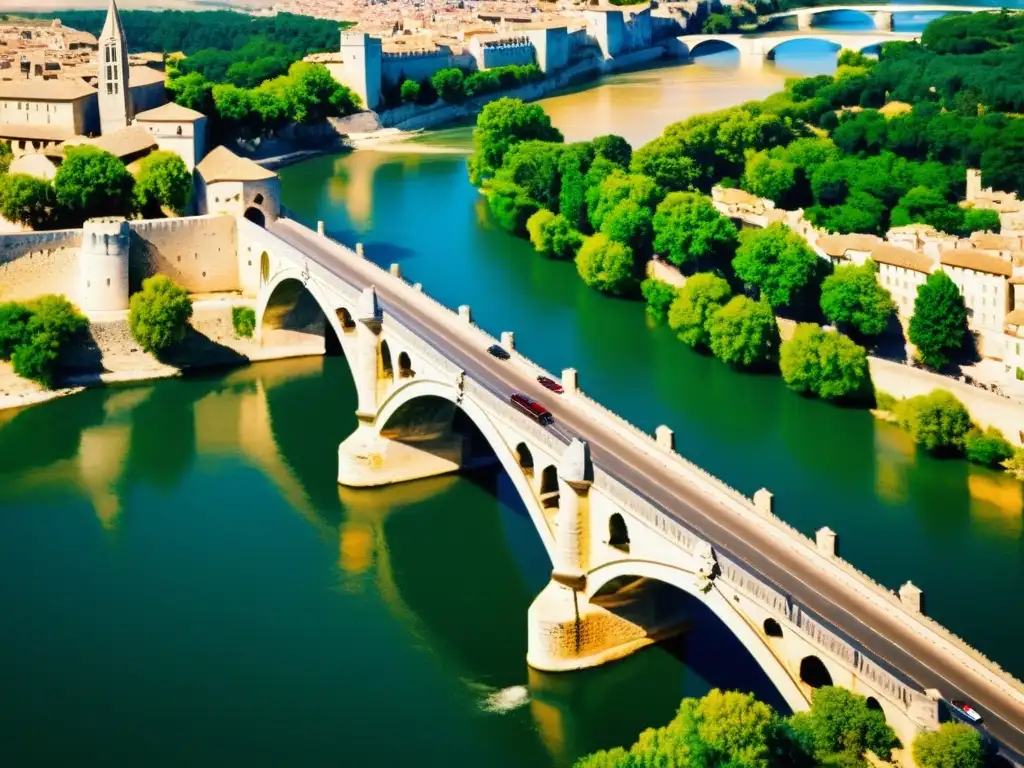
549, 383
498, 352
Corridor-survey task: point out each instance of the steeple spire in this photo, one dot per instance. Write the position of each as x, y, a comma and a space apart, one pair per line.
115, 98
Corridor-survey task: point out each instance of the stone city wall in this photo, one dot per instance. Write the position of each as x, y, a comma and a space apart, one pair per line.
36, 263
199, 253
397, 67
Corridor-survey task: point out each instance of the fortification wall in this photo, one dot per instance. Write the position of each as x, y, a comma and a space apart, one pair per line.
35, 263
505, 55
395, 67
199, 253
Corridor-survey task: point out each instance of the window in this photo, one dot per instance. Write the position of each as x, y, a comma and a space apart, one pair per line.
179, 130
110, 89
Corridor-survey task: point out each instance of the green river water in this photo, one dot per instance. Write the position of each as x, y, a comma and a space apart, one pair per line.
183, 582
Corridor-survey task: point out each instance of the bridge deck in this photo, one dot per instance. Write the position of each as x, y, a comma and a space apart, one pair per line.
742, 538
922, 8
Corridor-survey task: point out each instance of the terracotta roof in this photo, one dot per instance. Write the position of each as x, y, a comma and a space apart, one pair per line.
35, 132
884, 253
45, 90
977, 261
123, 143
143, 75
224, 165
1016, 317
731, 196
169, 113
1017, 280
916, 228
838, 245
990, 242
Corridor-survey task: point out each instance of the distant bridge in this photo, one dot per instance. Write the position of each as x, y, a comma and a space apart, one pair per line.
880, 14
763, 44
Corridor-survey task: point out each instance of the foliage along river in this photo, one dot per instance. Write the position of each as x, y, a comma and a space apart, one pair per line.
182, 581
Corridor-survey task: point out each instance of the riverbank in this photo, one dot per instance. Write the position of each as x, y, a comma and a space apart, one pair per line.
110, 356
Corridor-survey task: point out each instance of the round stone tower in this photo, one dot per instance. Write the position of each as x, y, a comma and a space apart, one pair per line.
103, 265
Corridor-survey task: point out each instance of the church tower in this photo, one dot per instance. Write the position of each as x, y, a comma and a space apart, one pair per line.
115, 99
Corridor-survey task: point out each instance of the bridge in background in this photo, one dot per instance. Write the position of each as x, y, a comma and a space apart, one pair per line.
882, 15
613, 505
762, 45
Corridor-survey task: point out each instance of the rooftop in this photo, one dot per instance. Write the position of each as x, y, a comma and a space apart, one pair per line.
45, 90
19, 131
977, 261
224, 165
143, 75
838, 245
123, 143
169, 113
884, 253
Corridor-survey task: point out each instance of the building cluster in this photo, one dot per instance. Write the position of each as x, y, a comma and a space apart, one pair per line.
415, 41
102, 96
988, 268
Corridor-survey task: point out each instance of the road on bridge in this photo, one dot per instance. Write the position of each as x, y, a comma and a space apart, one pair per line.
741, 537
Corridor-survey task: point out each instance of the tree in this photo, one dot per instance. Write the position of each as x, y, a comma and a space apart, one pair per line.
410, 91
852, 297
776, 261
938, 421
613, 148
243, 319
92, 183
938, 327
511, 206
659, 296
450, 85
192, 91
606, 265
770, 177
27, 200
824, 363
573, 165
744, 334
533, 165
981, 220
502, 124
232, 104
629, 223
954, 745
53, 323
989, 448
617, 187
689, 315
313, 94
14, 317
158, 315
552, 235
689, 230
163, 181
840, 723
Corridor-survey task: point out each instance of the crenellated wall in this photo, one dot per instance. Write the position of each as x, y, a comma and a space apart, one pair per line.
35, 263
199, 252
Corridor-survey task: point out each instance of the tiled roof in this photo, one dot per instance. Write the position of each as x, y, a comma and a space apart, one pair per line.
884, 253
977, 261
45, 90
224, 165
18, 131
838, 245
169, 113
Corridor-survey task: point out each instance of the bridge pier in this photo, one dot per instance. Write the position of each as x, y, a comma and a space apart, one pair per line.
804, 20
883, 21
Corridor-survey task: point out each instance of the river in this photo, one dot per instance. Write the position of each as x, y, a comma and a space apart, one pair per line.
182, 580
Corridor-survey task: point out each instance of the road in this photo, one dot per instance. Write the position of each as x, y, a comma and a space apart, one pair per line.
884, 637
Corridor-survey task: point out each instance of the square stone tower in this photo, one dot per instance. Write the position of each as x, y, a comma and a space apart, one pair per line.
361, 66
115, 98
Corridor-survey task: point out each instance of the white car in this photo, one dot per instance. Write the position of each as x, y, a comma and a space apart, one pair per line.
967, 711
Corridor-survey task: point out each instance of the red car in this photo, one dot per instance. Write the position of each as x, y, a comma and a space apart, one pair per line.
551, 384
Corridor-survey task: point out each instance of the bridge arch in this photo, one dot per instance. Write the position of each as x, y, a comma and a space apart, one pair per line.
712, 45
746, 633
814, 673
417, 388
525, 458
291, 302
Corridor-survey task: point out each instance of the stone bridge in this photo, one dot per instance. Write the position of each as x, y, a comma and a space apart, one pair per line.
762, 45
882, 15
615, 507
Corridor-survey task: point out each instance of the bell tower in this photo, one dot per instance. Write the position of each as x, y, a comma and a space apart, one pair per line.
115, 100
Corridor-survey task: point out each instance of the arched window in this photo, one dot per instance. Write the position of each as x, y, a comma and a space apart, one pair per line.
264, 268
814, 673
256, 216
258, 200
618, 535
549, 486
405, 370
345, 320
386, 367
772, 628
525, 458
872, 703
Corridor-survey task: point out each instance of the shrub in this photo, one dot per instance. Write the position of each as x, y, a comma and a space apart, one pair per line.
884, 401
988, 448
744, 334
511, 206
777, 261
1020, 374
659, 295
164, 181
158, 315
244, 321
53, 322
936, 421
698, 300
450, 85
824, 363
954, 745
14, 319
553, 236
410, 91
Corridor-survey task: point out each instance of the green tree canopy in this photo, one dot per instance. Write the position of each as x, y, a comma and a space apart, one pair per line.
776, 261
629, 223
27, 200
92, 183
614, 149
824, 363
852, 297
743, 333
988, 448
606, 265
691, 311
499, 126
450, 85
840, 723
938, 327
689, 230
163, 181
552, 235
52, 324
410, 91
768, 176
617, 187
510, 205
658, 296
954, 745
158, 315
938, 421
533, 165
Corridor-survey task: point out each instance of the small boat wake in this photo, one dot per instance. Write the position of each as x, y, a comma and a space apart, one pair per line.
500, 700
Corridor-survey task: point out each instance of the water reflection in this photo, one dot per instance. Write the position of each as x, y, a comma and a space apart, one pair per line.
997, 503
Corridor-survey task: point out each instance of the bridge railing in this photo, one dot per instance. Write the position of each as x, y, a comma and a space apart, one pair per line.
729, 498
